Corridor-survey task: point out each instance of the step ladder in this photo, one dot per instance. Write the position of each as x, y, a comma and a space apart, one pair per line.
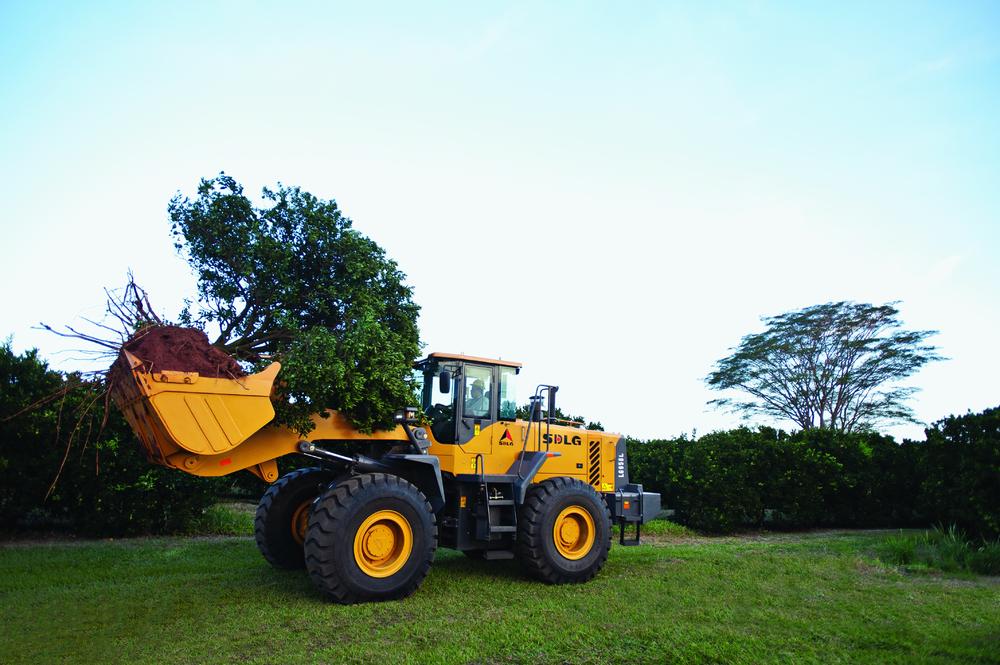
496, 498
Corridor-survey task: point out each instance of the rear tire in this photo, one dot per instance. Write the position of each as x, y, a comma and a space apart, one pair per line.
564, 531
372, 537
283, 513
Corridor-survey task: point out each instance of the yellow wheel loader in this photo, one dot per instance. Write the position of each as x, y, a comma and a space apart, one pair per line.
366, 519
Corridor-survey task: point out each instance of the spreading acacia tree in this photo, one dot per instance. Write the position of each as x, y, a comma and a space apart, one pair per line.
836, 366
293, 281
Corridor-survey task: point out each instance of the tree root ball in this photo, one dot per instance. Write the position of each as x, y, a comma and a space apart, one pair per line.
181, 350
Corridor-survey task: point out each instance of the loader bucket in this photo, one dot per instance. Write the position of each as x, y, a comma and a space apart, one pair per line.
175, 412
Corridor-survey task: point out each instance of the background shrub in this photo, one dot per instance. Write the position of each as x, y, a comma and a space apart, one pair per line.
105, 485
750, 477
960, 474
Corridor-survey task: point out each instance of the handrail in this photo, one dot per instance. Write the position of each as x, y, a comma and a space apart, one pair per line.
542, 388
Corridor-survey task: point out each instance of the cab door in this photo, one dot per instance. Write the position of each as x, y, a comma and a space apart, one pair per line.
476, 408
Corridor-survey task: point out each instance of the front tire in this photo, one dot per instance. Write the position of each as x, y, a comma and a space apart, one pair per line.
370, 538
564, 531
283, 513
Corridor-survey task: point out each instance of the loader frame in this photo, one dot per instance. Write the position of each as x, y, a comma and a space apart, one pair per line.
491, 481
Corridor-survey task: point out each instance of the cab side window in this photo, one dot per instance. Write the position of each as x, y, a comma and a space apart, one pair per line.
477, 392
508, 393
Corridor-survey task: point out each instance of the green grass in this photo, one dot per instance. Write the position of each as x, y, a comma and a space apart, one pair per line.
225, 519
945, 550
782, 598
664, 528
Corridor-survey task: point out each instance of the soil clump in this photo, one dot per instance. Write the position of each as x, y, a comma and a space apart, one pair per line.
181, 350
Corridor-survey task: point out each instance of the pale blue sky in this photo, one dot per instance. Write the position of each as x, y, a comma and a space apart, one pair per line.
611, 194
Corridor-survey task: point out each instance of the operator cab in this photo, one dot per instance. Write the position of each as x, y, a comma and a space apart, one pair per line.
464, 394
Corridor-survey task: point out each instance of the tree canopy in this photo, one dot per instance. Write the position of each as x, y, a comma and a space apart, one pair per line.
835, 366
294, 281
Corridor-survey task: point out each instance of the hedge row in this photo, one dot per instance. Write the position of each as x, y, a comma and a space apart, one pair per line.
62, 469
751, 477
718, 482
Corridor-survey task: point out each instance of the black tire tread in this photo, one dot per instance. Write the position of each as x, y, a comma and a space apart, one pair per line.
530, 536
329, 517
275, 494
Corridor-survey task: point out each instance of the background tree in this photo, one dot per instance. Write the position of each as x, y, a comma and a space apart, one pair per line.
829, 366
293, 281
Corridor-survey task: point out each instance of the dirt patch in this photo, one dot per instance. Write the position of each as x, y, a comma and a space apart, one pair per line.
777, 537
670, 539
11, 541
870, 567
181, 350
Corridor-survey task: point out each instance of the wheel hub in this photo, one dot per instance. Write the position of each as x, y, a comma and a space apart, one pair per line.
573, 532
383, 543
569, 532
300, 522
379, 542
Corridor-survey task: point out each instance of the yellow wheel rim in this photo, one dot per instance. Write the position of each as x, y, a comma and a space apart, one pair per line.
383, 543
300, 521
573, 532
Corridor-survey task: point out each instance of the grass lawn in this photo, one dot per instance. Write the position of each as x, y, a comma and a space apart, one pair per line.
682, 598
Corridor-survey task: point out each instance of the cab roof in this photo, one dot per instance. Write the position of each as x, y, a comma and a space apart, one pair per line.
474, 359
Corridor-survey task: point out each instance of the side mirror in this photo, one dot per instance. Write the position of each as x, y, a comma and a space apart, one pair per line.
444, 382
552, 401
